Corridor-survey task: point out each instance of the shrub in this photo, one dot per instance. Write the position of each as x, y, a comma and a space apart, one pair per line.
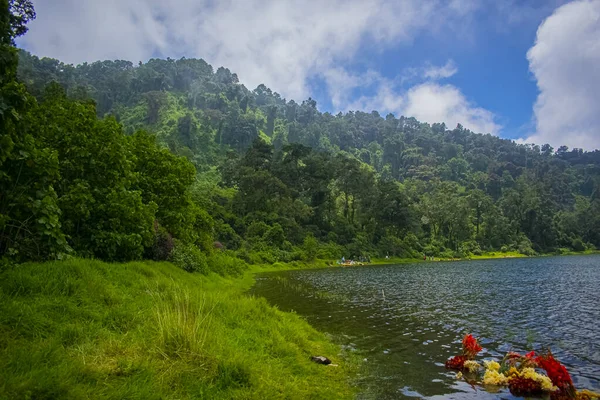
256, 230
189, 257
275, 236
310, 246
163, 244
430, 250
331, 250
578, 245
227, 235
525, 246
225, 263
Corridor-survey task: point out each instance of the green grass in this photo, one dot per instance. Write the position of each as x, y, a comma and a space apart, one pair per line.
86, 329
498, 254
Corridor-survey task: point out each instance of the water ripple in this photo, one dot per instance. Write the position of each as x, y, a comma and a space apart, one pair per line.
408, 319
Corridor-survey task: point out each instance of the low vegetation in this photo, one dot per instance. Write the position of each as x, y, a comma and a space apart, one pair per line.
148, 330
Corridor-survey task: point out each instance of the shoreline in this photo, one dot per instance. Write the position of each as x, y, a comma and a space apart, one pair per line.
84, 328
485, 256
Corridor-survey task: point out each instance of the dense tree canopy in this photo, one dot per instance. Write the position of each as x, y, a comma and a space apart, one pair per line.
111, 160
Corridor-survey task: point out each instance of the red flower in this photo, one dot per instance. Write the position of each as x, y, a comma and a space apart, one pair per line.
470, 346
557, 373
530, 355
524, 387
456, 362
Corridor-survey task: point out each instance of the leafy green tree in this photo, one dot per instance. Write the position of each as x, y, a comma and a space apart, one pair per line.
29, 213
101, 213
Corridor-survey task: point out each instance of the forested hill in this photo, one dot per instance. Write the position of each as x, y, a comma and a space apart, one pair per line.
276, 180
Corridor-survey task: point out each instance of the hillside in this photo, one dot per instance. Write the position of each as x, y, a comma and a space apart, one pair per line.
272, 173
172, 160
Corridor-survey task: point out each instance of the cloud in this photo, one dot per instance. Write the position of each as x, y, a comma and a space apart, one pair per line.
284, 44
281, 43
427, 100
445, 71
433, 102
565, 61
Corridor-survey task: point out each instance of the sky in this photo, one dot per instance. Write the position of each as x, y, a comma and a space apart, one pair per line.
527, 70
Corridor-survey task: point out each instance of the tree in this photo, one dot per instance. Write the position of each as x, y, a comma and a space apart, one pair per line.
15, 14
29, 213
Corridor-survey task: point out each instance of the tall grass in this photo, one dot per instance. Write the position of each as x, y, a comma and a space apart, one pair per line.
85, 329
183, 324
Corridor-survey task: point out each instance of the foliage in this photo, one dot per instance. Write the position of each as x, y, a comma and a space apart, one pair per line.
94, 155
188, 257
163, 244
88, 329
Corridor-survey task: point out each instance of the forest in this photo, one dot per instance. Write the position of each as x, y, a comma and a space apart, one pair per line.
174, 160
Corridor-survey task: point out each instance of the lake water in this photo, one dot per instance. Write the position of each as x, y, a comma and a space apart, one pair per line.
406, 320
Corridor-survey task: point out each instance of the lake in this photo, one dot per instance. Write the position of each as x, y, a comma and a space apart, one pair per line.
406, 320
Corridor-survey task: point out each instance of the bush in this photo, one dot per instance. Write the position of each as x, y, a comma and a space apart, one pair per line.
331, 251
256, 230
189, 257
578, 245
162, 246
447, 254
227, 235
430, 250
275, 236
225, 263
310, 246
525, 246
412, 242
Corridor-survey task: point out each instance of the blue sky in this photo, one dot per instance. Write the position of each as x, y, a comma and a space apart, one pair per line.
525, 70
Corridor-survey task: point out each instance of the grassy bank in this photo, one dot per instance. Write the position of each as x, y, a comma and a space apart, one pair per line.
87, 329
498, 254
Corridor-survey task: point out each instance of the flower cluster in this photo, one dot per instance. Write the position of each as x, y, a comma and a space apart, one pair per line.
456, 362
519, 373
493, 377
543, 380
557, 372
470, 350
472, 366
470, 347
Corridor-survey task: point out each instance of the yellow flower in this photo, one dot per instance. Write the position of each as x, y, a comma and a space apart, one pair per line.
471, 365
513, 371
459, 375
543, 380
493, 365
492, 377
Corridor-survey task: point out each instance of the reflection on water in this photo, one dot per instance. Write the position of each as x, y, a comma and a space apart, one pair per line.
406, 320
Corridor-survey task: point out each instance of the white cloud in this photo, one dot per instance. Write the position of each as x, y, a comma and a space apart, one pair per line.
282, 43
427, 100
565, 61
385, 100
432, 102
445, 71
